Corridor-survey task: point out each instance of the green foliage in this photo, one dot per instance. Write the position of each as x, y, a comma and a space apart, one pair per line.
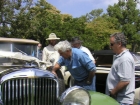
9, 13
127, 20
37, 20
101, 29
72, 27
93, 15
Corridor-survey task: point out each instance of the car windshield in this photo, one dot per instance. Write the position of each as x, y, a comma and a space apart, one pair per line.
27, 49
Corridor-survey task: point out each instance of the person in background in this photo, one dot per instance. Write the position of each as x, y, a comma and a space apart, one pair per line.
121, 79
77, 43
78, 64
39, 46
50, 55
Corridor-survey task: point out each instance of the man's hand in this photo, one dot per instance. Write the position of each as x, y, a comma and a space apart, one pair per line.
54, 73
121, 85
90, 77
88, 82
55, 67
113, 94
50, 68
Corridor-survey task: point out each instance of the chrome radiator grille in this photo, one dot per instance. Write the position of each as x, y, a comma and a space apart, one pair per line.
29, 91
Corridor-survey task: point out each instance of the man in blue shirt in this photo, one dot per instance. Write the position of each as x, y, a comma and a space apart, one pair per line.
78, 64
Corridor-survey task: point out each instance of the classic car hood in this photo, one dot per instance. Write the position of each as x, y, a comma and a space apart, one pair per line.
21, 58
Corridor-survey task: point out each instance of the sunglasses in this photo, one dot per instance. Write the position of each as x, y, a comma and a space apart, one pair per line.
111, 44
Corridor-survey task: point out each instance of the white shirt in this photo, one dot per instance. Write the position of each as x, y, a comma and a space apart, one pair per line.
86, 50
50, 53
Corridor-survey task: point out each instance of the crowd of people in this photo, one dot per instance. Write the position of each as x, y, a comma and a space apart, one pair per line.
78, 60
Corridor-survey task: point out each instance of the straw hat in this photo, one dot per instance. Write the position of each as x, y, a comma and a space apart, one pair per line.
52, 36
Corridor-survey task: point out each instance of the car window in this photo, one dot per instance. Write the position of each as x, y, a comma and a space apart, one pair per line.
5, 47
103, 60
28, 49
25, 48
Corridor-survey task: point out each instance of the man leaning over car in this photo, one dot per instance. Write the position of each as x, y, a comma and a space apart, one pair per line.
78, 64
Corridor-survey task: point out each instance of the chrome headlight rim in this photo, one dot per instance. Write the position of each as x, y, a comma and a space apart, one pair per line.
75, 99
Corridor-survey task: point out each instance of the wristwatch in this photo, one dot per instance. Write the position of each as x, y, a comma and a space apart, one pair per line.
88, 82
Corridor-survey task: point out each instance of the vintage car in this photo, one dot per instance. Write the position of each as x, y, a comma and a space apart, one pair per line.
24, 79
104, 60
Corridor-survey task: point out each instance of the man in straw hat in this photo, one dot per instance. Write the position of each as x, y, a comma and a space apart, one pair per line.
50, 55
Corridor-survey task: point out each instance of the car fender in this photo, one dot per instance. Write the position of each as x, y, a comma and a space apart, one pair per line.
98, 98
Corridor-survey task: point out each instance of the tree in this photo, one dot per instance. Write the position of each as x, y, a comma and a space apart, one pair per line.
72, 27
100, 29
8, 12
127, 20
92, 15
44, 19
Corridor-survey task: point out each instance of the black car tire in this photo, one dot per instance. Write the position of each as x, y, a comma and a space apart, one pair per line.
61, 82
61, 86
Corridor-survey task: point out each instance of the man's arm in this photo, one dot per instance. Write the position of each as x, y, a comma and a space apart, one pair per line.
90, 77
124, 67
56, 67
121, 85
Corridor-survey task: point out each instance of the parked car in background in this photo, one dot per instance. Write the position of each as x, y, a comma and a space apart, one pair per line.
24, 80
104, 60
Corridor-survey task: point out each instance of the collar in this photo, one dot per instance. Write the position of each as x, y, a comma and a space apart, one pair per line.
50, 45
124, 51
80, 47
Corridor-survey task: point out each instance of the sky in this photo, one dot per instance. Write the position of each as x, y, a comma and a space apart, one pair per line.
77, 8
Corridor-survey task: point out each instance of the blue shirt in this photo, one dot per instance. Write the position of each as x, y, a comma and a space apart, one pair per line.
79, 65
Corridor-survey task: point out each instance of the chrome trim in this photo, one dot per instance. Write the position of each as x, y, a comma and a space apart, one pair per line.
27, 72
64, 94
11, 47
26, 86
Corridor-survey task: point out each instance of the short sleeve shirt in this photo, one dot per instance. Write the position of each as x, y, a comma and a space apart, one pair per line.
50, 53
122, 70
79, 65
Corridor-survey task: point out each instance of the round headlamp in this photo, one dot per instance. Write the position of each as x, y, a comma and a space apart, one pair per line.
75, 95
43, 66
